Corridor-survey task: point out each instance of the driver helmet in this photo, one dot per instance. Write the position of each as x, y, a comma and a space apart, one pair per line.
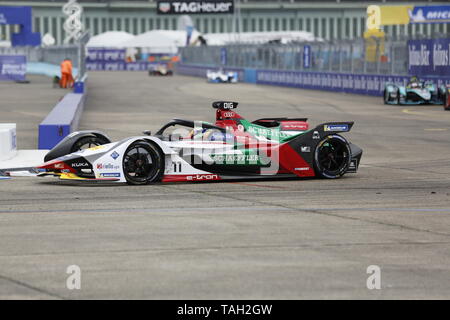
413, 82
220, 136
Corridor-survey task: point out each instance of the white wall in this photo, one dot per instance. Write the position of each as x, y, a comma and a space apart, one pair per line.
8, 141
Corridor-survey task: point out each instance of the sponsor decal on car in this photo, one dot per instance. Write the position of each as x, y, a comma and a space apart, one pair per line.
110, 175
107, 166
96, 148
302, 169
201, 177
305, 149
294, 126
263, 132
115, 155
335, 127
229, 114
228, 105
232, 158
80, 165
316, 135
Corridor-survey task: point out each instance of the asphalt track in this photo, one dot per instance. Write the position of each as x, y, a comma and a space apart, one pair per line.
246, 240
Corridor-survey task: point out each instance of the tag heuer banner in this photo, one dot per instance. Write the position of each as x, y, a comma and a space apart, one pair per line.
195, 7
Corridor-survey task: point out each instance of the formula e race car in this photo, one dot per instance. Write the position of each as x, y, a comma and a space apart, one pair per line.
221, 76
191, 151
161, 69
415, 92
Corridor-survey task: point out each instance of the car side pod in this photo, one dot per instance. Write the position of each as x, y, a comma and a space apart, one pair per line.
65, 171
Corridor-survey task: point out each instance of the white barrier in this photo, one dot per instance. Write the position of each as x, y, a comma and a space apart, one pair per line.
8, 141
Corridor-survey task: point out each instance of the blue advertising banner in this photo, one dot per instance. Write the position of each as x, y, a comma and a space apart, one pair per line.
306, 56
223, 56
105, 59
430, 14
13, 68
368, 84
20, 16
99, 59
429, 57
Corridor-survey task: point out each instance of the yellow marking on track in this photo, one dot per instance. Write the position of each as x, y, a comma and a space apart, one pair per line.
435, 129
413, 112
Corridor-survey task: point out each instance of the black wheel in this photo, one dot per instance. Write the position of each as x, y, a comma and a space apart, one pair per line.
332, 157
143, 163
88, 142
446, 102
385, 97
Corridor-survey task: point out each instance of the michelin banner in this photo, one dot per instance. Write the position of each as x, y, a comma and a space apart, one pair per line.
378, 16
429, 14
429, 57
13, 68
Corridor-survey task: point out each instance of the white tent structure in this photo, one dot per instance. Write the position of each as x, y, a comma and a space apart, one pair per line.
284, 37
5, 44
110, 39
159, 41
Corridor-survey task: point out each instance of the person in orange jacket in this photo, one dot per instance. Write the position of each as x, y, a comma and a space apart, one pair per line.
66, 74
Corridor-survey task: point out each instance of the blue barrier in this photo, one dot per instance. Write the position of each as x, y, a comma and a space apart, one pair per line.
368, 84
61, 121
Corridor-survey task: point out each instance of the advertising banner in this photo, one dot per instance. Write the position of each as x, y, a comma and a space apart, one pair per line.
195, 7
367, 84
306, 56
13, 68
429, 57
20, 16
104, 59
385, 15
430, 14
223, 56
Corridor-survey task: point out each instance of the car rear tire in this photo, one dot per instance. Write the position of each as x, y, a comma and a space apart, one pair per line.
332, 157
88, 142
143, 163
446, 102
386, 97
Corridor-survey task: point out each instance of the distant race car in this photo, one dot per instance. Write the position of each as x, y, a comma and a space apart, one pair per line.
232, 148
415, 92
221, 76
159, 70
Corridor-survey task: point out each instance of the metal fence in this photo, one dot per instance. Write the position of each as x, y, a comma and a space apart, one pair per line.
52, 55
55, 54
343, 56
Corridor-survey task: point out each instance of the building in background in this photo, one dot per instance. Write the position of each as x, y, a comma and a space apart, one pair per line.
327, 19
